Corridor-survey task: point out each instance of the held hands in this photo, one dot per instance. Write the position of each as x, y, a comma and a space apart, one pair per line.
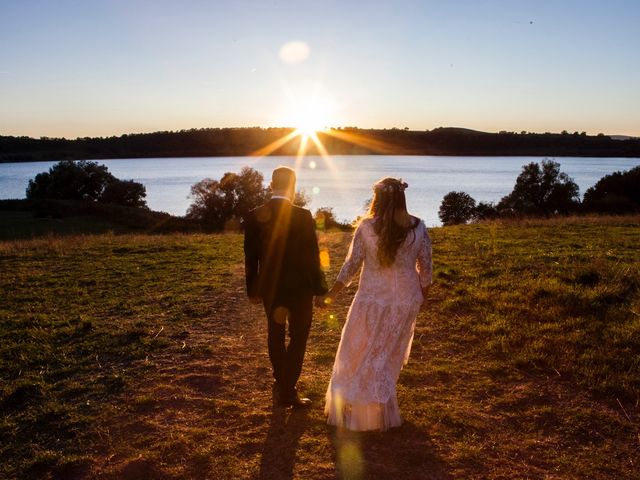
326, 300
323, 301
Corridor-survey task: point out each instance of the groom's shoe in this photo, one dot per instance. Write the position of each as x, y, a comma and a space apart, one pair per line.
295, 401
301, 402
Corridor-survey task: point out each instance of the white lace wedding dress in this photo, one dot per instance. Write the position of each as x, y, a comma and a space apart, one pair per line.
376, 338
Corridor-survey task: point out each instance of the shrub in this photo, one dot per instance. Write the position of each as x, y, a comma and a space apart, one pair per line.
69, 180
326, 220
456, 208
124, 192
87, 181
485, 211
615, 193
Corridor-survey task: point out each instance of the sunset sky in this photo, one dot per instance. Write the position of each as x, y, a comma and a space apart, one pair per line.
99, 68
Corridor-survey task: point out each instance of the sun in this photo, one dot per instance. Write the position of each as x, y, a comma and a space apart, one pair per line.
309, 112
312, 119
305, 114
315, 117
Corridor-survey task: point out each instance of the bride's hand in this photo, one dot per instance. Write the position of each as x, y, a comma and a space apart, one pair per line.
330, 297
325, 300
320, 301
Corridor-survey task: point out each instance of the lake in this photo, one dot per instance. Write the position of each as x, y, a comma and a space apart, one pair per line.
342, 182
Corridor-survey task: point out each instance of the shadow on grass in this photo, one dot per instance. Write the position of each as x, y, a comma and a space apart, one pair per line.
279, 450
405, 452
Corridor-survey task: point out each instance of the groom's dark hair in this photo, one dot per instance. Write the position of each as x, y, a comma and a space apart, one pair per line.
283, 178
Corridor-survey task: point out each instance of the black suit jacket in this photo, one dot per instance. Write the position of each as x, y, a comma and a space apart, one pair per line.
282, 259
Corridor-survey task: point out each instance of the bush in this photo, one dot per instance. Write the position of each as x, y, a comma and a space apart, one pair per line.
326, 220
87, 181
456, 208
615, 193
69, 180
124, 192
541, 189
485, 211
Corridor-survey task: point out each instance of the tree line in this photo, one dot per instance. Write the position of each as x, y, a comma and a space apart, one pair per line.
343, 141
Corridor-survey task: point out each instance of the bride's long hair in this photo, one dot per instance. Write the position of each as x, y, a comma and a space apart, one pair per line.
388, 209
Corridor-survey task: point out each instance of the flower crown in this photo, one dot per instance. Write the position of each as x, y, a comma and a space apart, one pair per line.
390, 187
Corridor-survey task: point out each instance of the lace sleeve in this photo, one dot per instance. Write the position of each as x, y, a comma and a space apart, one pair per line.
425, 262
354, 259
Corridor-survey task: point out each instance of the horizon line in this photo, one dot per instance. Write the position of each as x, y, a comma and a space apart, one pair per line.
342, 127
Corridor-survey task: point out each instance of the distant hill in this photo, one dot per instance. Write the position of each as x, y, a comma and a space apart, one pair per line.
463, 131
623, 137
343, 141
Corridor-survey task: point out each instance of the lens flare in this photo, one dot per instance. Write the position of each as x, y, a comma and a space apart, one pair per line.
325, 260
280, 315
294, 52
332, 321
350, 460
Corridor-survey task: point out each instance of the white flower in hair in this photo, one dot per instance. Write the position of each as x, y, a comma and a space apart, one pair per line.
390, 187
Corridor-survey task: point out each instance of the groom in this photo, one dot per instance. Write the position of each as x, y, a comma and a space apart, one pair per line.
282, 266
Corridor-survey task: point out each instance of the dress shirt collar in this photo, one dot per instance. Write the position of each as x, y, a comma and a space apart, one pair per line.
281, 197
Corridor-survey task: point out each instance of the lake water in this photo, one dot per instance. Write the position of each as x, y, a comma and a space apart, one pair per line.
344, 183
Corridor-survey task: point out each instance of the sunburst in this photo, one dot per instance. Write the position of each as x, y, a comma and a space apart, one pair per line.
309, 117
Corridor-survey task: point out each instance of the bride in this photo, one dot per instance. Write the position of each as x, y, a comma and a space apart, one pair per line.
394, 250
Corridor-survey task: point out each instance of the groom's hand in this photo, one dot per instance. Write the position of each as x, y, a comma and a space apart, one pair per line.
320, 301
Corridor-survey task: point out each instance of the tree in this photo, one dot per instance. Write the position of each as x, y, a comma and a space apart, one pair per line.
124, 192
541, 189
615, 193
86, 181
456, 208
222, 204
69, 180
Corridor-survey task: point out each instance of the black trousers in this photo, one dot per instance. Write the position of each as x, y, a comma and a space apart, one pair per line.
287, 359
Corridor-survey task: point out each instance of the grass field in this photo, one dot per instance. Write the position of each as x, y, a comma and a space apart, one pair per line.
137, 356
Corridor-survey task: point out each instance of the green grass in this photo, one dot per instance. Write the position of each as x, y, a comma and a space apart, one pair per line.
27, 219
137, 356
25, 225
549, 298
77, 313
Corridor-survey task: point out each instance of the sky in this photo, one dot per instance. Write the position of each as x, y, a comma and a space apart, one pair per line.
101, 68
